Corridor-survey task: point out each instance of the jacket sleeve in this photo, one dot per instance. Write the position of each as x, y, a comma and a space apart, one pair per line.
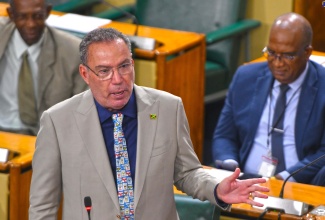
46, 187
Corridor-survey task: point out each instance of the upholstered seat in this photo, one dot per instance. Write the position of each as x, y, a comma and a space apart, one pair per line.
193, 209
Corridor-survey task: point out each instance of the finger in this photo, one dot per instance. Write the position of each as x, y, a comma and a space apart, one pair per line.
260, 188
260, 195
234, 175
257, 180
252, 202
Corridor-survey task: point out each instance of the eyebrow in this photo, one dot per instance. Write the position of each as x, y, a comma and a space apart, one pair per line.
123, 62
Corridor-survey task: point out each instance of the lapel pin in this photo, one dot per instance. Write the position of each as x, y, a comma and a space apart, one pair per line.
153, 116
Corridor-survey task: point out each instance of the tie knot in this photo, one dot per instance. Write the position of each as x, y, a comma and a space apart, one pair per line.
25, 55
284, 88
117, 118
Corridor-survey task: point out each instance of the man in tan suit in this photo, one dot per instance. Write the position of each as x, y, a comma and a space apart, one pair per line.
76, 148
53, 62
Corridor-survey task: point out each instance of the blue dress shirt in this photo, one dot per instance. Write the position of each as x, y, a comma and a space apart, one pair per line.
130, 129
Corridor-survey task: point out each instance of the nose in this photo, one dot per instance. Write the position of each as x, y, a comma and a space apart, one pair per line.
278, 60
30, 22
116, 78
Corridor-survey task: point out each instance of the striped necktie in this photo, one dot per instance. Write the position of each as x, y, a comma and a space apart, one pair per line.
123, 171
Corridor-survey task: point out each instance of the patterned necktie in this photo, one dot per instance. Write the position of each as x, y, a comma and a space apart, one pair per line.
26, 95
278, 131
123, 172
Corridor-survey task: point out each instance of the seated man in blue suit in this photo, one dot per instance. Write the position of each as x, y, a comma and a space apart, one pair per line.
258, 133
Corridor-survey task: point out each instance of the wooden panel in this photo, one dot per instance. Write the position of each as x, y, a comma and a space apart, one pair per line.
184, 76
19, 171
145, 73
4, 195
19, 192
315, 14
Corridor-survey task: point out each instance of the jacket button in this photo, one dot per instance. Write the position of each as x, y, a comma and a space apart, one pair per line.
118, 216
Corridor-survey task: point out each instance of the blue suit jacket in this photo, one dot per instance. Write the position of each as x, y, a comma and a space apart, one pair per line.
239, 119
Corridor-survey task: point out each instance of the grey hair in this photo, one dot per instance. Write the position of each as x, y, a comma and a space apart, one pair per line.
100, 35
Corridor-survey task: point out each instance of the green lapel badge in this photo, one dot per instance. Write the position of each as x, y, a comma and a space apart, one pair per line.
153, 116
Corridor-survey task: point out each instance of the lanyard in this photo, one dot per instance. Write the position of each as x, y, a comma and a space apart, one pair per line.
271, 129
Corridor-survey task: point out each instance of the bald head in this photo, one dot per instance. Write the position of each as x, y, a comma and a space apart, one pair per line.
296, 24
289, 47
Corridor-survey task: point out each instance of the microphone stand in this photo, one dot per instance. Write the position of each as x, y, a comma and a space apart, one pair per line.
126, 13
287, 205
297, 171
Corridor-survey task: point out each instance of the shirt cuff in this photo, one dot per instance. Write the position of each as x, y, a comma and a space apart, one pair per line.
284, 174
219, 201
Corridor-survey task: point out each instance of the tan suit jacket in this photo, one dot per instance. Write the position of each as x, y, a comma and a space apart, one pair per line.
58, 65
71, 157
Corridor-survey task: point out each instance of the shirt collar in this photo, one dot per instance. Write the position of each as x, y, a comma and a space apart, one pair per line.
130, 109
20, 46
297, 83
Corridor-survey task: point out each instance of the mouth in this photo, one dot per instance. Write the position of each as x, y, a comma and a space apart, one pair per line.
278, 73
31, 36
118, 94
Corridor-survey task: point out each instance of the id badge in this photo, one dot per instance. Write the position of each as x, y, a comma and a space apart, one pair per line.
268, 166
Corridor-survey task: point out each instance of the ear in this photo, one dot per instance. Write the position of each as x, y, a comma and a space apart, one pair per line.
83, 71
309, 50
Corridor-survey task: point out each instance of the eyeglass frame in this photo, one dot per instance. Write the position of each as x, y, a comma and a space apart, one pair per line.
282, 56
110, 75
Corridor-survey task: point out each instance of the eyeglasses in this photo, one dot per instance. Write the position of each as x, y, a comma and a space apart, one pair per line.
105, 73
271, 55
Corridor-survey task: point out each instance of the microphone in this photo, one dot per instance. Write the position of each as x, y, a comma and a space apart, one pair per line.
144, 43
287, 205
87, 201
297, 171
226, 165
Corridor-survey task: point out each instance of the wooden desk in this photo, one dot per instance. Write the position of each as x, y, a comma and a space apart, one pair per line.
312, 195
18, 173
178, 68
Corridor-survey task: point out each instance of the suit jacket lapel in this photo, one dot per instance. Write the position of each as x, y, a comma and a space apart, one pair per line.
146, 133
305, 106
262, 89
46, 59
5, 34
90, 130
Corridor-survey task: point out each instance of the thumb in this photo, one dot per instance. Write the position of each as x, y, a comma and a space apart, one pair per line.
234, 175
